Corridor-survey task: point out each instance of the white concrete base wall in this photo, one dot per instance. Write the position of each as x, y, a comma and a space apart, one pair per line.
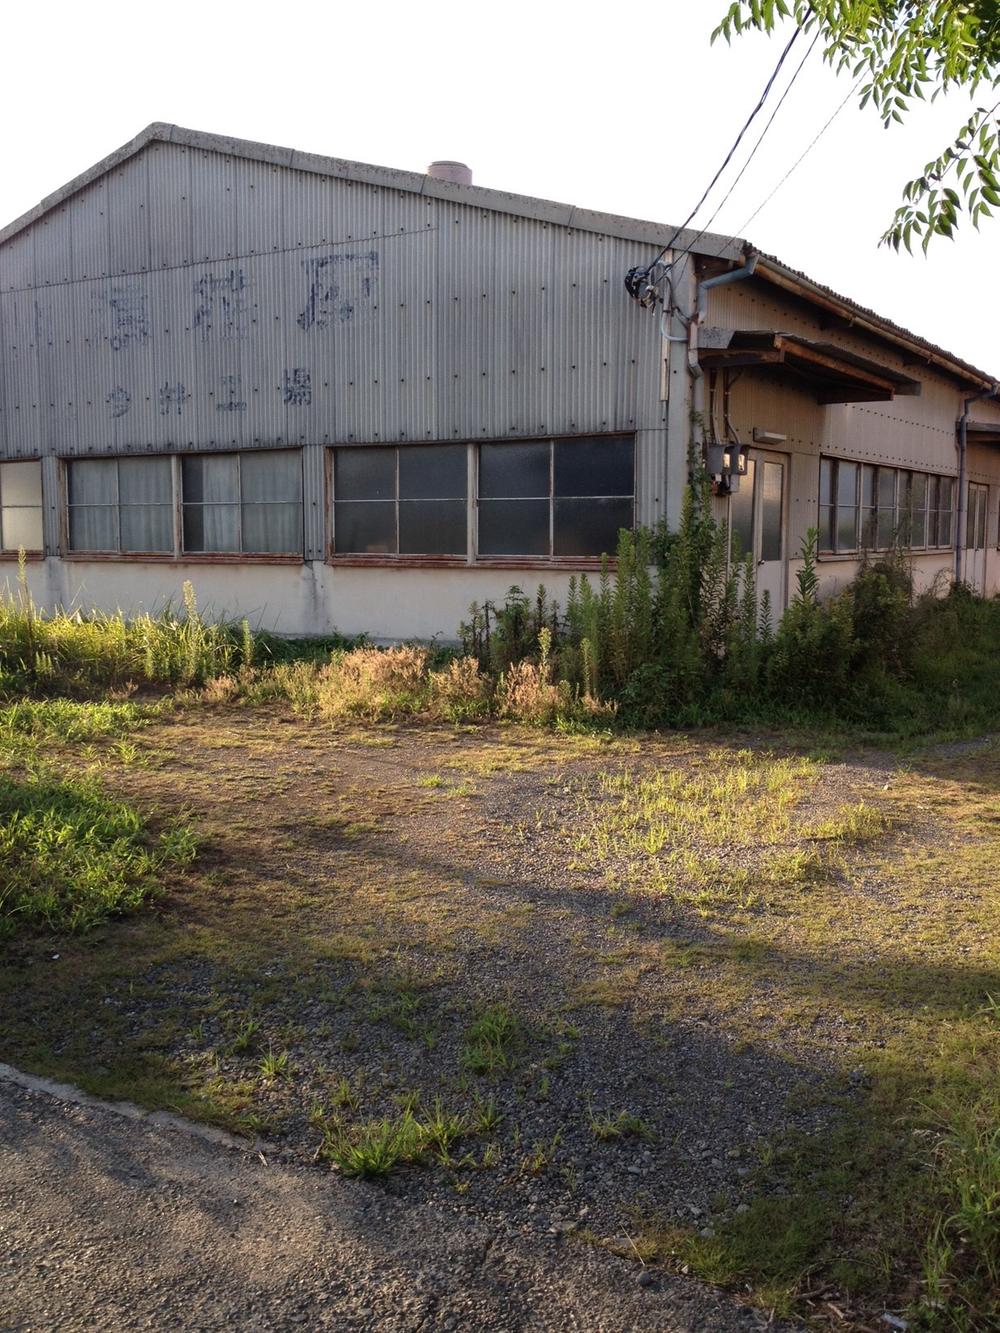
317, 599
929, 572
313, 598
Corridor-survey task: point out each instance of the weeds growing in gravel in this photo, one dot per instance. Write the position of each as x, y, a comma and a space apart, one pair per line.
621, 1126
377, 1147
274, 1064
493, 1041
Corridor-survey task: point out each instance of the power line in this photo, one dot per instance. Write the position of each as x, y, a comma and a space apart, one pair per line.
760, 139
739, 139
798, 161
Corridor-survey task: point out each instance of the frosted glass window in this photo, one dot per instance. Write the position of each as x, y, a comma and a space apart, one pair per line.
433, 527
514, 527
589, 527
599, 467
975, 523
21, 506
771, 515
847, 506
401, 501
365, 474
917, 511
826, 508
914, 509
365, 529
121, 505
271, 501
437, 473
741, 514
515, 471
941, 511
869, 513
885, 523
146, 505
249, 502
555, 498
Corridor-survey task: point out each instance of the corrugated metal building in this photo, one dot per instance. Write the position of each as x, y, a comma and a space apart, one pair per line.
339, 396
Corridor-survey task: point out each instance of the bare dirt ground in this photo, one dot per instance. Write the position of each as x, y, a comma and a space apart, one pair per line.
109, 1224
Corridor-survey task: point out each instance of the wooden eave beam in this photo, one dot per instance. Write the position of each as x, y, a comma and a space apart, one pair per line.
841, 371
717, 358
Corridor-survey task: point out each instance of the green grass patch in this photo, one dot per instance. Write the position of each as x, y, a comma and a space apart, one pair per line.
71, 855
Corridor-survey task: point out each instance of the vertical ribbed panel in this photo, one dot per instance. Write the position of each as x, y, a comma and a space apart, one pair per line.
51, 514
190, 300
314, 490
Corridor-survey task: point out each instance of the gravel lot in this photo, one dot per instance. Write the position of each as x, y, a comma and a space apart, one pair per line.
688, 1011
106, 1223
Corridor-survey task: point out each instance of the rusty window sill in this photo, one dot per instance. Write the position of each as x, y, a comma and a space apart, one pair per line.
31, 557
826, 557
185, 558
583, 564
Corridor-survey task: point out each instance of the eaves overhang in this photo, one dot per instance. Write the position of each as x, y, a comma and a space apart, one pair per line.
982, 432
916, 349
832, 374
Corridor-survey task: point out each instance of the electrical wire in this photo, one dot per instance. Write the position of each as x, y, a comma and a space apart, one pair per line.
760, 139
797, 163
739, 139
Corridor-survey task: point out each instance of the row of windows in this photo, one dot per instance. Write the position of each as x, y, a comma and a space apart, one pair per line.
536, 498
539, 498
249, 503
863, 507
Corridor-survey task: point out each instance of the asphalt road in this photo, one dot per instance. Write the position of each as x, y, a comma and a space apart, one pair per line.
108, 1222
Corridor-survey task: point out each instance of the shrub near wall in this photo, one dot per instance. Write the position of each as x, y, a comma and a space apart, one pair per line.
675, 637
678, 637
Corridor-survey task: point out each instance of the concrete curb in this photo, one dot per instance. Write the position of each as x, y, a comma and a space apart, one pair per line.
66, 1092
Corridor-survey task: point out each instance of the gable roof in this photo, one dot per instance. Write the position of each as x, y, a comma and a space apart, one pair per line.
499, 201
727, 248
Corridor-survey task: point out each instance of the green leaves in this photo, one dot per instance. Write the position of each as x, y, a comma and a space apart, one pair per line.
903, 50
957, 182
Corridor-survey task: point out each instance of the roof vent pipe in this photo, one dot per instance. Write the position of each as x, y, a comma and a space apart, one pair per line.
456, 172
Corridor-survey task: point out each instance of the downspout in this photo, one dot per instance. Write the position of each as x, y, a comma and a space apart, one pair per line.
963, 446
701, 310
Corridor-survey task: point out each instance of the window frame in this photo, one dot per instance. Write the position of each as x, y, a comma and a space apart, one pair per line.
396, 557
178, 555
180, 504
867, 515
472, 558
34, 552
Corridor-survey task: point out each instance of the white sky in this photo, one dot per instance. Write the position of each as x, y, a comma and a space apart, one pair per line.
622, 107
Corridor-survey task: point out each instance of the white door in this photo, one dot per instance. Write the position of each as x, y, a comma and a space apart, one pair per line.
757, 524
975, 537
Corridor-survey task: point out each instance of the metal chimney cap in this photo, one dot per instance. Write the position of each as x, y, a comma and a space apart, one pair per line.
456, 172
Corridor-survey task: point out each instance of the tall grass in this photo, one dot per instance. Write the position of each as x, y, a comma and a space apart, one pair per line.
69, 652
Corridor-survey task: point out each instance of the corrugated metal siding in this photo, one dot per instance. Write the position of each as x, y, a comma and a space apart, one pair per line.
314, 489
186, 283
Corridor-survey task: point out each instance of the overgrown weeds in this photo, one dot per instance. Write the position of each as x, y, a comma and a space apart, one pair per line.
72, 653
